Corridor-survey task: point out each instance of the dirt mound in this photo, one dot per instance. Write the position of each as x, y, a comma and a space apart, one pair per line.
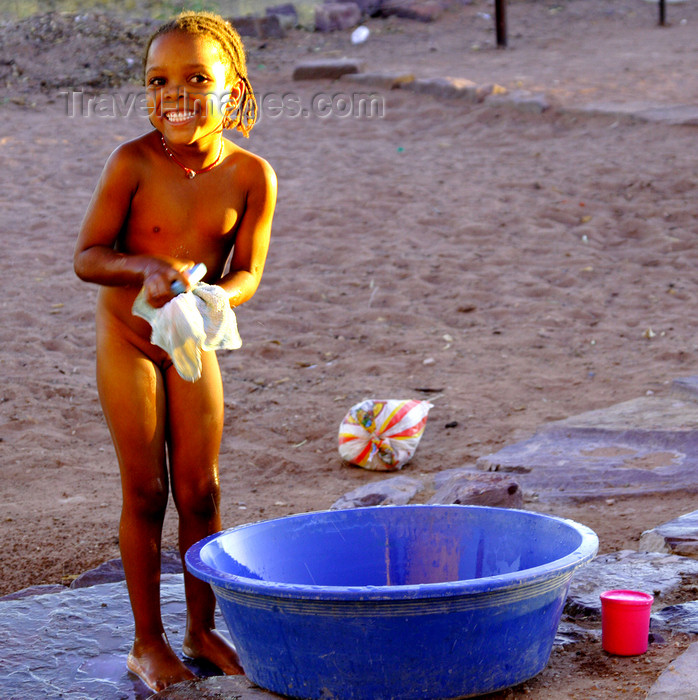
80, 51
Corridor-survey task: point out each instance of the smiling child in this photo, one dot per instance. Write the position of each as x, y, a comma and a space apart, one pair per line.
178, 195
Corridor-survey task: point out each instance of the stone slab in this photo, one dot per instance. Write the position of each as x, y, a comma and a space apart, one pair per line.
325, 70
41, 589
685, 388
459, 88
466, 487
367, 7
569, 633
521, 100
686, 114
386, 81
268, 27
336, 16
113, 570
420, 10
74, 644
397, 491
216, 688
286, 14
679, 536
679, 681
660, 575
649, 444
678, 618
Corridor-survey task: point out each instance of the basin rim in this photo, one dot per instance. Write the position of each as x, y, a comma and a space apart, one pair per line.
561, 570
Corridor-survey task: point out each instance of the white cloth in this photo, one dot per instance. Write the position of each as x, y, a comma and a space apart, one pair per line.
198, 320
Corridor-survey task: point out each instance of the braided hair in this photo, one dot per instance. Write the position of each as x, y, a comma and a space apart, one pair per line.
243, 115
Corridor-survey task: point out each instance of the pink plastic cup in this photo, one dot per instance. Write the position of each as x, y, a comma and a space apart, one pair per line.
625, 622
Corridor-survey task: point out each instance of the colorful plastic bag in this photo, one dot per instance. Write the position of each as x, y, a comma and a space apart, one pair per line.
382, 435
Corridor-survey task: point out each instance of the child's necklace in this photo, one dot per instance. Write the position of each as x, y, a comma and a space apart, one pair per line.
191, 174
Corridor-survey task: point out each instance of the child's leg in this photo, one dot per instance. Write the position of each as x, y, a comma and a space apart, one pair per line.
195, 430
132, 394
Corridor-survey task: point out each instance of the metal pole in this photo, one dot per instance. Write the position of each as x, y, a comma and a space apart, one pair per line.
500, 21
662, 13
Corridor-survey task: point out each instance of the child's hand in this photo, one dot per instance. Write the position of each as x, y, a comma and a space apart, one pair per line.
194, 275
159, 275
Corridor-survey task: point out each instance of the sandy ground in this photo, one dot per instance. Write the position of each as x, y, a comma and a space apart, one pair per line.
505, 265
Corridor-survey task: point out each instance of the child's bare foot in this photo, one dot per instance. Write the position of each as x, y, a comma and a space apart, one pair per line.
158, 667
212, 647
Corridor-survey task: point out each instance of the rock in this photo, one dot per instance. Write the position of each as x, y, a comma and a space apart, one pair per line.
74, 644
444, 87
569, 633
677, 618
685, 388
661, 575
679, 115
647, 111
650, 541
272, 27
245, 26
649, 444
386, 81
678, 536
472, 488
34, 590
113, 570
482, 92
325, 70
679, 681
367, 7
107, 572
524, 101
336, 16
268, 27
444, 476
421, 10
397, 491
215, 688
287, 15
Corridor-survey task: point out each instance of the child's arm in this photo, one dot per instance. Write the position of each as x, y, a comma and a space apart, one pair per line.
252, 237
96, 260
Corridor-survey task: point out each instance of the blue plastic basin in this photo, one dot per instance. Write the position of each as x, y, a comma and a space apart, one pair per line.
409, 602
